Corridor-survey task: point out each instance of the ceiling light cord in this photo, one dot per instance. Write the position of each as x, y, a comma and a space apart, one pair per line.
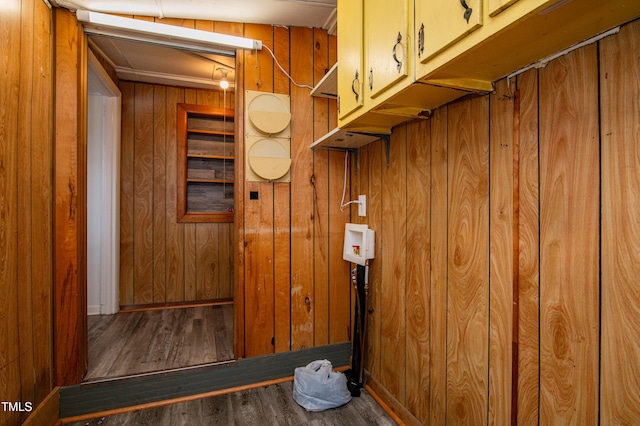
160, 10
283, 71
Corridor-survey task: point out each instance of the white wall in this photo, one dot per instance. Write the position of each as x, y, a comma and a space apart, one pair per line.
103, 191
94, 195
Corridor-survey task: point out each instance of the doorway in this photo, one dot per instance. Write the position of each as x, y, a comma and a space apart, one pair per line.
134, 336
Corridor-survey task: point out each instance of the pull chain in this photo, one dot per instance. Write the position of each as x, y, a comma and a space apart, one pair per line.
224, 143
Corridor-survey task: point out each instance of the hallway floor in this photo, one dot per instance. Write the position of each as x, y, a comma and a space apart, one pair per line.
147, 341
268, 405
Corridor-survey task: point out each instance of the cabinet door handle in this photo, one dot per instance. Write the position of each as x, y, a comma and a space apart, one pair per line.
353, 86
371, 79
421, 41
467, 10
395, 57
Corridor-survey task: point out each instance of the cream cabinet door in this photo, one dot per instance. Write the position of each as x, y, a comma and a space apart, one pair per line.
351, 75
387, 42
441, 23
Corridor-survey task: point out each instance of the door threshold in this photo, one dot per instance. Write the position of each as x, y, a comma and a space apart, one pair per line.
158, 373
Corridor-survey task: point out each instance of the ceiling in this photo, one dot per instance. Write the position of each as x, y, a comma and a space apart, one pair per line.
137, 61
298, 13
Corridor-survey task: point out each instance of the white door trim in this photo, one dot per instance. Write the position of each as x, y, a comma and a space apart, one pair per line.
109, 203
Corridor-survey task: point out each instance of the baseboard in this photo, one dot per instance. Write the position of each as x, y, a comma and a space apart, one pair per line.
175, 305
47, 413
93, 310
389, 402
115, 394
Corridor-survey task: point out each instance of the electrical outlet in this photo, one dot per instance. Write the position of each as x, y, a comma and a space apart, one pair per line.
362, 205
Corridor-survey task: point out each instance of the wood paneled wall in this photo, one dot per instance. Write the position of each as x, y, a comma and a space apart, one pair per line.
70, 200
620, 246
161, 260
296, 286
26, 207
504, 287
292, 288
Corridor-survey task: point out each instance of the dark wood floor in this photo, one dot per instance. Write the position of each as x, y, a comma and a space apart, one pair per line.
270, 405
130, 343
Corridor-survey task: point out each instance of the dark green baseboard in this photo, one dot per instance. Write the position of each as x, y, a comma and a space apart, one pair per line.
95, 397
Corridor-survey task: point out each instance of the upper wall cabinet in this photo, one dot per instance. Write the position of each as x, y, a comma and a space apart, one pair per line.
422, 54
375, 57
468, 44
351, 75
442, 23
387, 43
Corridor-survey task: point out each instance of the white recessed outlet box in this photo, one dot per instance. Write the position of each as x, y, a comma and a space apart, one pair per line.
362, 205
359, 243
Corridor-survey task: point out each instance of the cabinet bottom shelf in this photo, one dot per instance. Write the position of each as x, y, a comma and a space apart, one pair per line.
210, 198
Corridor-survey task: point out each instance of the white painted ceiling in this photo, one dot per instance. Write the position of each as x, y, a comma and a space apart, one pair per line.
298, 13
154, 64
137, 61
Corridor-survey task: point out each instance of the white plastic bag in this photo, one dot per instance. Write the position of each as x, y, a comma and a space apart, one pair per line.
317, 387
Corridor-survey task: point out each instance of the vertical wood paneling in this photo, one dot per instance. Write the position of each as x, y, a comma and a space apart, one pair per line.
41, 201
183, 262
371, 165
70, 287
159, 193
10, 380
528, 233
174, 244
569, 228
438, 319
339, 274
620, 353
302, 303
544, 150
226, 261
258, 218
282, 216
321, 208
143, 195
207, 254
238, 194
259, 303
501, 214
468, 259
127, 153
418, 304
23, 205
394, 266
190, 265
193, 252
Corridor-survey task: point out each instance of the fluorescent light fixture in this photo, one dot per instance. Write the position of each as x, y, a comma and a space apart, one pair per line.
166, 35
